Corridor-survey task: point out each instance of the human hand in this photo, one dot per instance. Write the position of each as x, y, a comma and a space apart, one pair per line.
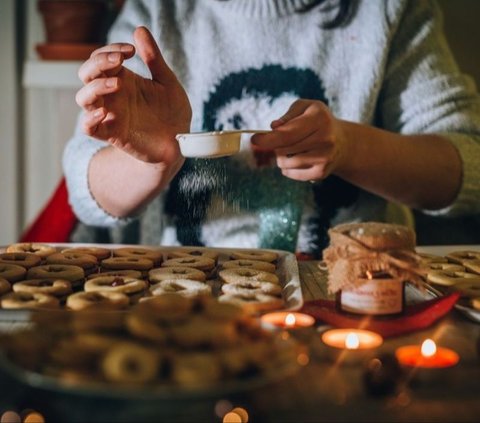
138, 115
308, 141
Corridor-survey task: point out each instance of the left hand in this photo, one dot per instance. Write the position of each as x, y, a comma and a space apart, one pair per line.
308, 141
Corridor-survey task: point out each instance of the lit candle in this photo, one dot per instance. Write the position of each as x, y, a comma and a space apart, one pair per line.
287, 320
350, 346
352, 339
428, 355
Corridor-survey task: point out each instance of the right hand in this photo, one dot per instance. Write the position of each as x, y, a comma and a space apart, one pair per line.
138, 115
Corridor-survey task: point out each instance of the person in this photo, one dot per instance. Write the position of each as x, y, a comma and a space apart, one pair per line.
365, 103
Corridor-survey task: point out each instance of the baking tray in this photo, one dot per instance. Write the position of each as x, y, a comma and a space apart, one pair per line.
287, 272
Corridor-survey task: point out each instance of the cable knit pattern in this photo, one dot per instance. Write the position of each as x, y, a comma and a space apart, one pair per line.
242, 63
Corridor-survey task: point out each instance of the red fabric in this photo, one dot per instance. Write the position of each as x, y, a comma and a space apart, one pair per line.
55, 222
416, 317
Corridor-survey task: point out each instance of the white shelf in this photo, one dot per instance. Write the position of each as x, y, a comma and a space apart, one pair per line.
51, 74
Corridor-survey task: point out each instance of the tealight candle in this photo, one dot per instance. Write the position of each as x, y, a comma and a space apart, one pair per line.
428, 355
352, 339
351, 345
287, 320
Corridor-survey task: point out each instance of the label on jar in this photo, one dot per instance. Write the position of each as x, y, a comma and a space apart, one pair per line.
376, 296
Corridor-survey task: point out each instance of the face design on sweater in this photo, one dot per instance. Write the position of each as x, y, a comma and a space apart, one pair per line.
248, 99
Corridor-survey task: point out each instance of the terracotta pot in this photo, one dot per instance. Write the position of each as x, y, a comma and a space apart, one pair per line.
73, 21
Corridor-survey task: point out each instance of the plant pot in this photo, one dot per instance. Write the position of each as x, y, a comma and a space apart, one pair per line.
73, 21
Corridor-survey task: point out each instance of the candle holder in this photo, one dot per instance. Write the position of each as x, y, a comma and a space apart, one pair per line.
350, 346
299, 325
427, 362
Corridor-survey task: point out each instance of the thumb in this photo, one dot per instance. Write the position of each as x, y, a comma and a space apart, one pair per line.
296, 109
150, 54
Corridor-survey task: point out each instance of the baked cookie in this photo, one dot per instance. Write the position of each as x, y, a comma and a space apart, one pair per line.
186, 287
25, 260
449, 278
58, 288
12, 272
240, 275
250, 264
74, 274
156, 256
4, 286
99, 252
127, 263
260, 255
175, 272
26, 300
87, 262
195, 252
133, 288
99, 300
204, 264
42, 250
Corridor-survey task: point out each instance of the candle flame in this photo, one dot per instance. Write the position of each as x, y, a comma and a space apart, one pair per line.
428, 348
290, 320
352, 342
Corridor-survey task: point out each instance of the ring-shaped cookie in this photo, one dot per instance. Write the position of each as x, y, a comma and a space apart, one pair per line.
187, 287
472, 266
432, 258
26, 260
55, 287
175, 272
156, 256
26, 300
447, 278
125, 285
4, 286
136, 274
42, 250
463, 256
250, 264
130, 363
240, 274
262, 255
253, 303
12, 272
195, 252
449, 267
86, 262
252, 287
202, 263
98, 300
127, 263
99, 252
74, 274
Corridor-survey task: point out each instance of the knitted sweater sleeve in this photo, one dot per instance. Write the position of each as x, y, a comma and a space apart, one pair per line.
81, 148
424, 92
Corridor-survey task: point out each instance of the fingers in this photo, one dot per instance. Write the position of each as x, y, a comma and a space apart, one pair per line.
106, 61
91, 95
91, 121
150, 54
296, 109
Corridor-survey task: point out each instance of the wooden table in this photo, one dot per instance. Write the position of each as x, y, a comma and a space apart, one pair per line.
320, 391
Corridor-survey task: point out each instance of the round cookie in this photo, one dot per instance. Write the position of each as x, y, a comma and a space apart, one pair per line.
99, 300
252, 287
74, 274
175, 272
196, 252
12, 272
55, 287
127, 263
86, 262
26, 260
448, 278
450, 267
253, 303
128, 362
136, 274
250, 264
4, 286
202, 263
186, 287
239, 275
99, 252
25, 300
156, 256
463, 256
42, 250
472, 266
133, 288
261, 255
432, 258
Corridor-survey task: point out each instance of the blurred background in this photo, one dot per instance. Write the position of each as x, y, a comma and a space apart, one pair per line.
38, 110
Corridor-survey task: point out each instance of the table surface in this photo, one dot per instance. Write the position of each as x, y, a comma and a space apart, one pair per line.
322, 390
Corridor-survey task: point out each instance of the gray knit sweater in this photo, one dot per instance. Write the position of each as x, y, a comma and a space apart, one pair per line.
242, 63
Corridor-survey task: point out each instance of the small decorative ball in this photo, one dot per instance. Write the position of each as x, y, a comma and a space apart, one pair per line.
382, 375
